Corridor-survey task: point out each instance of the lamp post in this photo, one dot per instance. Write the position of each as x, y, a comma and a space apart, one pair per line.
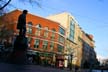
71, 56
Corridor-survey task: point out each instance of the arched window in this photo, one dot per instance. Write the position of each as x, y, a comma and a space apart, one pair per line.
29, 27
38, 26
38, 30
30, 23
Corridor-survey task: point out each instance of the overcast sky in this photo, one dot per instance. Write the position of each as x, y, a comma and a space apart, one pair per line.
92, 16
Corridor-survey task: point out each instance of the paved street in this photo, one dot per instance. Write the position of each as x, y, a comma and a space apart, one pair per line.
27, 68
35, 68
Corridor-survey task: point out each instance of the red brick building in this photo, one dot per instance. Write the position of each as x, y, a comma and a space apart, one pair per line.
46, 37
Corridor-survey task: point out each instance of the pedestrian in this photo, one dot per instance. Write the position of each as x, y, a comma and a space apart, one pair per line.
21, 25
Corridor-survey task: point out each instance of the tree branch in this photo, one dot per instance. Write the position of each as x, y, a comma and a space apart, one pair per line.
5, 5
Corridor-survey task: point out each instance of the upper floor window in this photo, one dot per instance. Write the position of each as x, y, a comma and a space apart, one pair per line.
46, 32
60, 48
45, 45
37, 32
46, 28
62, 31
72, 30
29, 28
51, 46
61, 39
79, 39
36, 43
38, 26
29, 39
29, 23
53, 34
53, 30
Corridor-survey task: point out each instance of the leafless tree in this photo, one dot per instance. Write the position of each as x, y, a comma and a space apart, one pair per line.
4, 32
4, 4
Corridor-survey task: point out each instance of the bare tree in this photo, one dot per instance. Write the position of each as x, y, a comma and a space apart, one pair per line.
4, 4
5, 32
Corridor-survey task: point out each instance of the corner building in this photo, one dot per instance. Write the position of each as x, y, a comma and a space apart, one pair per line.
76, 39
46, 38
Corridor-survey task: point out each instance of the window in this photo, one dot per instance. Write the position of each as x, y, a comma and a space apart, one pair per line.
79, 39
29, 23
38, 31
62, 31
46, 28
36, 44
71, 35
51, 46
29, 28
60, 48
46, 32
29, 39
61, 39
38, 26
45, 45
53, 30
72, 28
53, 34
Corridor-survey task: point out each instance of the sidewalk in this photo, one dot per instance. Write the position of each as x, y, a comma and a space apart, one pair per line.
28, 68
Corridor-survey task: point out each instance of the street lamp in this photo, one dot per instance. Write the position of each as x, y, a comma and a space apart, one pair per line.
71, 56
